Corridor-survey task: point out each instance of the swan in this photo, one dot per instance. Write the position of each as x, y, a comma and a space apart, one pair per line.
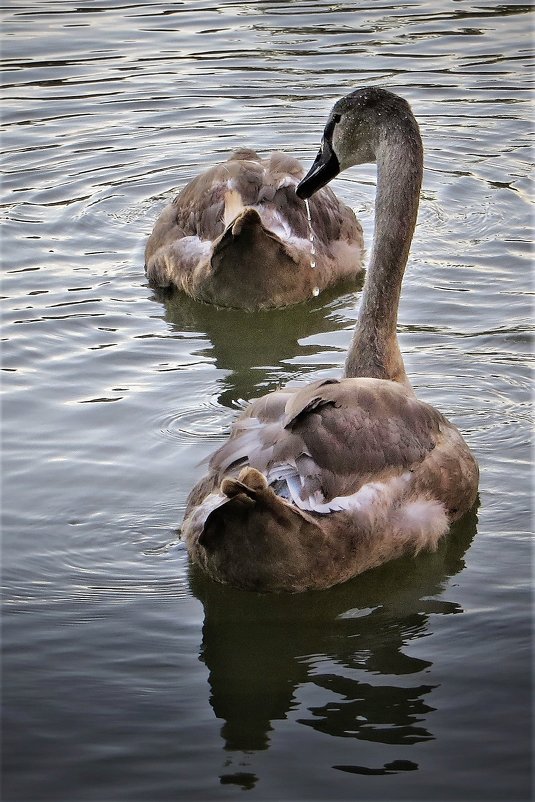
238, 236
317, 484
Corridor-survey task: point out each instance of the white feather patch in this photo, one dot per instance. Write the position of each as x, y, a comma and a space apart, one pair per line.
192, 249
233, 205
277, 223
425, 520
201, 513
363, 500
287, 181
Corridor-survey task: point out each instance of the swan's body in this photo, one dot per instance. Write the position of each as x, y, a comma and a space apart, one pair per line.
320, 483
238, 236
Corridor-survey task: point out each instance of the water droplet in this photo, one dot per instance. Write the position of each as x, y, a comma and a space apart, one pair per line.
307, 204
316, 291
311, 236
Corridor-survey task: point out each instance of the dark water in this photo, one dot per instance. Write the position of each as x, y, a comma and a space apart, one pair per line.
125, 675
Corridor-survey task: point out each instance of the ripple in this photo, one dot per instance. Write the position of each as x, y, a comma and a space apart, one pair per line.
136, 557
207, 421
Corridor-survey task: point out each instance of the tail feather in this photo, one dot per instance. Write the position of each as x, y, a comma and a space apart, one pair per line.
233, 206
250, 481
423, 522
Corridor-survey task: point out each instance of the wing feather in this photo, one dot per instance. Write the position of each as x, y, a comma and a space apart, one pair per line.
328, 439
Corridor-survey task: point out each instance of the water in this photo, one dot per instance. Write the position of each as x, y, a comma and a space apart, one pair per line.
125, 675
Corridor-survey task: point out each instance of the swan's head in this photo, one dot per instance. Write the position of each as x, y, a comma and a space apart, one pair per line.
354, 130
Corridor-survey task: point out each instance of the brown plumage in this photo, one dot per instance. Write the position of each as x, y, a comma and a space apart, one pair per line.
238, 236
320, 483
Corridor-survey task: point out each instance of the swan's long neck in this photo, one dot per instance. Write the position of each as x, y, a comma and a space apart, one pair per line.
374, 351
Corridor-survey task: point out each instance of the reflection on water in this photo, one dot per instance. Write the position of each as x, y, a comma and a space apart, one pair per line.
350, 642
252, 349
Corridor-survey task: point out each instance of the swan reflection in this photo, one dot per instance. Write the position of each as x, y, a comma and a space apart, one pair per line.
348, 642
252, 348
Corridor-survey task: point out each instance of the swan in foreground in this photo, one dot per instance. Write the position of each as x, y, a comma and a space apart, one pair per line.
238, 236
319, 483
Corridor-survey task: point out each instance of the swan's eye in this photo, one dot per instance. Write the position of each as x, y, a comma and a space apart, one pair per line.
329, 128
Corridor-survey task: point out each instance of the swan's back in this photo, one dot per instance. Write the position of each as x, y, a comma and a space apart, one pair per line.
335, 477
328, 439
238, 235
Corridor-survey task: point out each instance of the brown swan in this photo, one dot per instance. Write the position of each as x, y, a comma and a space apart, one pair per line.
319, 483
238, 236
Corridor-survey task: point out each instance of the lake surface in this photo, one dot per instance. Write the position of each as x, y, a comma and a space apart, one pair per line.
127, 675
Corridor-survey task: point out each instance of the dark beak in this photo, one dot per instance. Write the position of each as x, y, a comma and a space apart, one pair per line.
325, 168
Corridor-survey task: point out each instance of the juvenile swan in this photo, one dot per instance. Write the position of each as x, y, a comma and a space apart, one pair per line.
319, 483
238, 236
